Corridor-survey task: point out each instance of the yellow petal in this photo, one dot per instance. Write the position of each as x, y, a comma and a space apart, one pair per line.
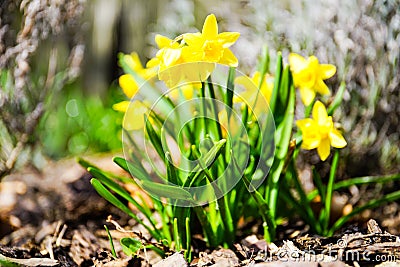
121, 106
266, 89
134, 116
310, 133
336, 138
228, 58
307, 95
228, 38
313, 64
296, 62
162, 41
321, 88
188, 72
326, 71
319, 113
128, 85
171, 56
324, 149
194, 39
185, 90
133, 61
210, 27
304, 124
154, 62
310, 143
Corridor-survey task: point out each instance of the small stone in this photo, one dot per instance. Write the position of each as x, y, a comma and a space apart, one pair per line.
224, 257
175, 260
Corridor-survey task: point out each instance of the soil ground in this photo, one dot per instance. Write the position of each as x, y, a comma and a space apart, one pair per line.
54, 217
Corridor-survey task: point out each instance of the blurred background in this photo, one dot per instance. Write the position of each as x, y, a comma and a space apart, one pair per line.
58, 67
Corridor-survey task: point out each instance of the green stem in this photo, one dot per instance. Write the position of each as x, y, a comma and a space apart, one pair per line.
205, 224
329, 191
274, 187
188, 251
223, 206
177, 238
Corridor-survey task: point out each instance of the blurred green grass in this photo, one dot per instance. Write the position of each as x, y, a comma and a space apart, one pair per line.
79, 123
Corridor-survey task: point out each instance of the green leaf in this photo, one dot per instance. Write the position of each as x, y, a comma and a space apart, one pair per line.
229, 93
264, 64
284, 130
132, 168
394, 196
177, 238
172, 175
284, 88
318, 183
107, 195
188, 252
326, 211
155, 139
167, 191
359, 181
130, 246
277, 80
6, 263
337, 100
207, 160
104, 179
84, 163
262, 204
111, 242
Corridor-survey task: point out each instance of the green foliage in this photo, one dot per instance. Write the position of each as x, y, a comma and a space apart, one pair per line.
79, 124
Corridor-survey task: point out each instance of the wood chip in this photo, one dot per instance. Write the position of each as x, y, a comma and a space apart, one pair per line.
31, 261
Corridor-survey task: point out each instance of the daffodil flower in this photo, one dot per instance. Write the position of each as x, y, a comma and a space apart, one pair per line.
134, 115
309, 76
319, 132
173, 69
186, 90
209, 45
170, 53
128, 84
252, 93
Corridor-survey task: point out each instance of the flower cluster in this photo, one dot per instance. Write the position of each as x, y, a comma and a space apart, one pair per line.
209, 47
318, 132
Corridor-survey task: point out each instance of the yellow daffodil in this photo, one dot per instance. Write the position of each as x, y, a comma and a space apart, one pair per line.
319, 132
128, 84
185, 90
209, 45
169, 54
134, 115
252, 93
309, 76
173, 69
